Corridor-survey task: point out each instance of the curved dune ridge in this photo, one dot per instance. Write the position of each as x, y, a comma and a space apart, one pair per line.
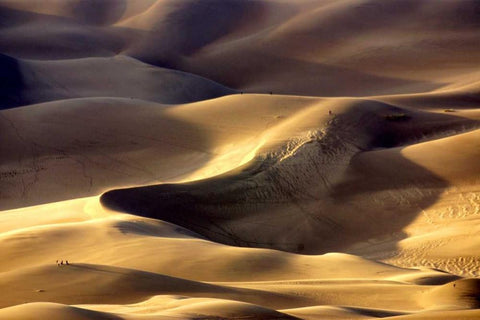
231, 159
43, 81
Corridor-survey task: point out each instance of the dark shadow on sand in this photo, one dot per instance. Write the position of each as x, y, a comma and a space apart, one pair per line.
105, 12
291, 208
94, 36
95, 154
11, 82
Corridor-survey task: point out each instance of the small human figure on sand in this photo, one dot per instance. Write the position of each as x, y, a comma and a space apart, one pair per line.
57, 263
61, 263
330, 112
66, 262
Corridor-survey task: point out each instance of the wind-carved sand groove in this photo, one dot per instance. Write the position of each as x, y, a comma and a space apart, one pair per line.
296, 194
274, 181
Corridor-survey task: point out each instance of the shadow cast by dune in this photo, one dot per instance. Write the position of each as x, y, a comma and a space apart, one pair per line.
111, 77
196, 24
11, 82
264, 72
90, 138
146, 229
296, 204
107, 284
39, 36
103, 12
247, 67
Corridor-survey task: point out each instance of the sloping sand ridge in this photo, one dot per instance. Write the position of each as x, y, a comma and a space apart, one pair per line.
232, 159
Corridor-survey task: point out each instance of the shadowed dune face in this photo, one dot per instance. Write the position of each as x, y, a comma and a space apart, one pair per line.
104, 12
89, 12
183, 27
122, 285
93, 144
43, 81
330, 49
445, 100
367, 39
37, 35
303, 201
256, 74
11, 82
463, 292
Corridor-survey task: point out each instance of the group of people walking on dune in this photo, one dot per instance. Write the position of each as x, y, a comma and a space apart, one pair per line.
60, 263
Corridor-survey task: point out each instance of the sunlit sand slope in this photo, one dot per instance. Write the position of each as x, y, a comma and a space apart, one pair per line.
328, 177
139, 277
94, 144
233, 159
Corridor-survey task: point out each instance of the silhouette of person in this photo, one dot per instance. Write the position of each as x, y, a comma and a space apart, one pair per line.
330, 112
66, 262
57, 263
61, 262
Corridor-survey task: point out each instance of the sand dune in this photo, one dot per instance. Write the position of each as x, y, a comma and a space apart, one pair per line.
51, 310
41, 81
117, 285
306, 179
231, 159
138, 152
330, 48
185, 308
333, 49
86, 223
259, 276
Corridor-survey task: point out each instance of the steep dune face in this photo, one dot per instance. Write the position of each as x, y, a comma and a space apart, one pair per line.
308, 186
58, 141
162, 144
33, 35
11, 82
120, 286
87, 12
444, 229
262, 278
329, 48
348, 41
31, 82
150, 245
183, 27
355, 29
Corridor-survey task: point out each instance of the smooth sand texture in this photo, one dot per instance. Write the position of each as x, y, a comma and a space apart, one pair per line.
232, 159
41, 81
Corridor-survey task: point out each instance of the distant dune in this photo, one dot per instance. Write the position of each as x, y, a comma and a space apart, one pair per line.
233, 159
43, 81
